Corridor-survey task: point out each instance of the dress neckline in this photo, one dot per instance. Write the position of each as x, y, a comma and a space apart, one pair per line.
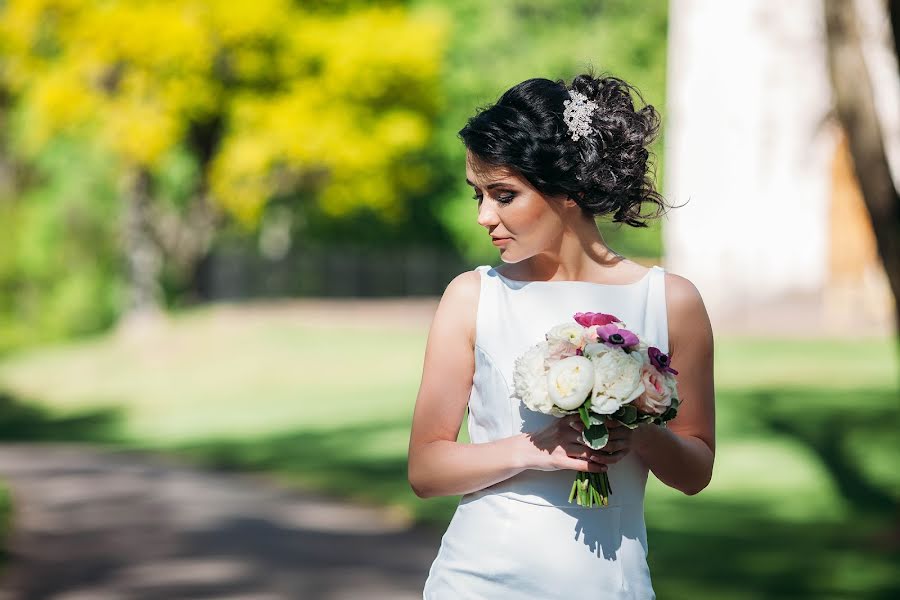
524, 282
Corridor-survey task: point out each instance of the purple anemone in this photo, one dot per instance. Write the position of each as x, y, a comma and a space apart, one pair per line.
660, 360
612, 335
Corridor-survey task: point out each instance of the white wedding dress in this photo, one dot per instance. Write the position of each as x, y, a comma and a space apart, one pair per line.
521, 538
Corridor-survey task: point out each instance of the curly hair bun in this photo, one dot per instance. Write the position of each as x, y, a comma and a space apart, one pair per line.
606, 172
612, 164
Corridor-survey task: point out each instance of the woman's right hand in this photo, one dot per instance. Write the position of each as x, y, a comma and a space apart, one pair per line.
559, 446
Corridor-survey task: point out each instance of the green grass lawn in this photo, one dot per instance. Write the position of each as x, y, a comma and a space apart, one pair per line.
803, 502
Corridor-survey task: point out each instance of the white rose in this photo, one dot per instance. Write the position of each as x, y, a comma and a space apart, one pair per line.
617, 377
569, 381
572, 333
564, 340
530, 379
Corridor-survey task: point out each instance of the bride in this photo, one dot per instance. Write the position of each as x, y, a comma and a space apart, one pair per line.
544, 162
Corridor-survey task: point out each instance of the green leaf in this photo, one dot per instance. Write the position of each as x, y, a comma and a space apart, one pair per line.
670, 414
595, 436
626, 414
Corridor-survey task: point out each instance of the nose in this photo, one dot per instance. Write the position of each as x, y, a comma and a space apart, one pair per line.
487, 216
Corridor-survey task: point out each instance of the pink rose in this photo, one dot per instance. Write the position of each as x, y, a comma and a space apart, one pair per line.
657, 396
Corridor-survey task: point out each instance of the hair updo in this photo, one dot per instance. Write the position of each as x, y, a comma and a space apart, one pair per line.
605, 172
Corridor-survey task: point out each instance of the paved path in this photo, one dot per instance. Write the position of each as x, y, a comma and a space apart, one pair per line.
102, 524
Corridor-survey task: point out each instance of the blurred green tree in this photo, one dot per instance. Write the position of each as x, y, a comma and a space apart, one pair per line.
208, 109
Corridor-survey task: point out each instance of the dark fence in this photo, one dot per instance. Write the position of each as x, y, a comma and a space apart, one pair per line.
236, 273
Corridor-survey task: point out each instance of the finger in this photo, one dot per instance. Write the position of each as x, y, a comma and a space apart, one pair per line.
623, 433
575, 450
587, 465
614, 446
579, 439
611, 458
613, 423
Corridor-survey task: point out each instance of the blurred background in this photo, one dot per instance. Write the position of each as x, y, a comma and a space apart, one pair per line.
203, 203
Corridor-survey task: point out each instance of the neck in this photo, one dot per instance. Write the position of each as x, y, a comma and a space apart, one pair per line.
575, 255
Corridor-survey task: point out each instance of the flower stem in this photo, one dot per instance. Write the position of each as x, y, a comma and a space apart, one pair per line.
591, 489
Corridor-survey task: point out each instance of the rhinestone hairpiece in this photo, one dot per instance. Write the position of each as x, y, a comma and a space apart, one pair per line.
577, 114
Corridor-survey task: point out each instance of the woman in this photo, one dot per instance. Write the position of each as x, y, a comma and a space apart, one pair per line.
544, 162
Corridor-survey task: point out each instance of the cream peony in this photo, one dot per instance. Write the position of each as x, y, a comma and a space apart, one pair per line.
569, 381
617, 377
530, 378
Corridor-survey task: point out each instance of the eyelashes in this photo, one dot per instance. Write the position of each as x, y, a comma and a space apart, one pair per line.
502, 199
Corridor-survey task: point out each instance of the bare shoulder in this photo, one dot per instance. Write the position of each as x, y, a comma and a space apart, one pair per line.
681, 293
464, 288
459, 303
448, 366
687, 315
466, 282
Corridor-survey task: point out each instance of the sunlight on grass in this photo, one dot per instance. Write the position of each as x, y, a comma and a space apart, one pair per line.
203, 377
844, 363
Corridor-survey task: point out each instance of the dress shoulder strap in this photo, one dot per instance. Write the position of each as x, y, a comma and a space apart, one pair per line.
656, 321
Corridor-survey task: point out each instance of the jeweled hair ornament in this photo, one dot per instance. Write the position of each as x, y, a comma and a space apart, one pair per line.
577, 114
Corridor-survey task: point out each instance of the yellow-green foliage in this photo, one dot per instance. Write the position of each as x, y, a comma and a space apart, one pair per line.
323, 102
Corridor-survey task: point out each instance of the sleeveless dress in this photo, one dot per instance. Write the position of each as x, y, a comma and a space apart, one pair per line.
521, 538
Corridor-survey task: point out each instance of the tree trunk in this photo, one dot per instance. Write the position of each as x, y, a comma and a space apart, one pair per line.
185, 236
855, 108
142, 254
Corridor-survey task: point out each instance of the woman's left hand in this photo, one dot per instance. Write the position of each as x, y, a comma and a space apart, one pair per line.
617, 446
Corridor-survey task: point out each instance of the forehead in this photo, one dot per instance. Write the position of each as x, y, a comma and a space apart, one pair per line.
481, 173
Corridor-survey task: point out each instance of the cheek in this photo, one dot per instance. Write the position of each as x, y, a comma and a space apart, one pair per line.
532, 216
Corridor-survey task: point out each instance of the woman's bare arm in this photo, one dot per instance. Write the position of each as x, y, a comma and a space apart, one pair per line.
437, 464
681, 454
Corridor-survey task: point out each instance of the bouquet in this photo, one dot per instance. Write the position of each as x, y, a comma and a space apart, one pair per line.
597, 368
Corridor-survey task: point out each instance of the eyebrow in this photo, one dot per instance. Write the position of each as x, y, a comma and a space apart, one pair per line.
490, 185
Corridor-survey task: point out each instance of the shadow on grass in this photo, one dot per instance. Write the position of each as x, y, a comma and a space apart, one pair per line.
737, 550
22, 421
335, 461
830, 435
